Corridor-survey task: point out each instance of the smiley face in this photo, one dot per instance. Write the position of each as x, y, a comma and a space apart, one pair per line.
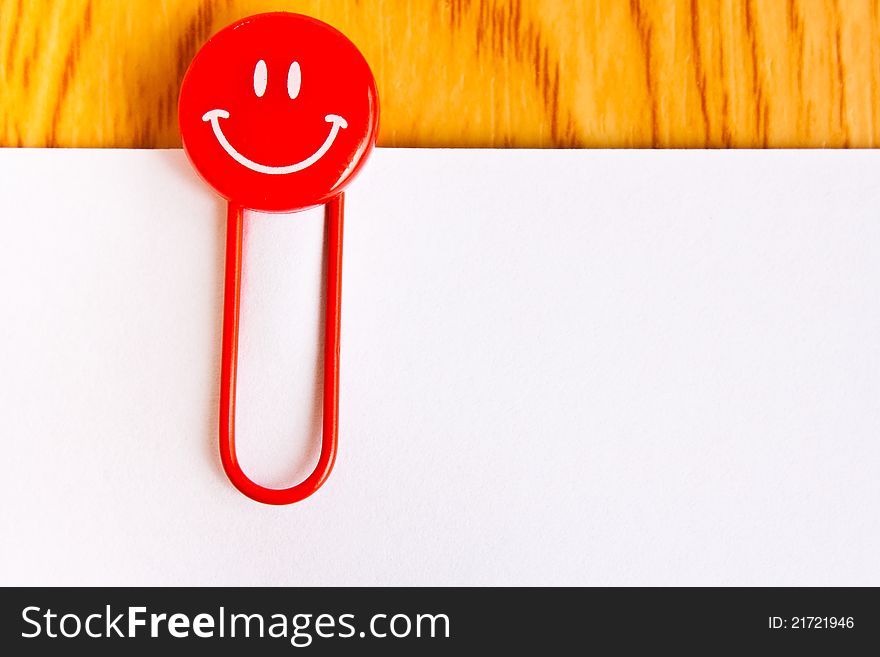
278, 112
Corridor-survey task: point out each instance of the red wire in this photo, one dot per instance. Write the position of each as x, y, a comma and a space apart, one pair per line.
231, 306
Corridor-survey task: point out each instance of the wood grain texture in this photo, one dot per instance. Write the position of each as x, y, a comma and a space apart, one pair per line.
514, 73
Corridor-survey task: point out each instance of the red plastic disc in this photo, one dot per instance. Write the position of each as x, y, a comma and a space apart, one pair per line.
278, 112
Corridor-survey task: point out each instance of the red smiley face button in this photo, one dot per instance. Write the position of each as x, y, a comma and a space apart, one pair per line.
278, 112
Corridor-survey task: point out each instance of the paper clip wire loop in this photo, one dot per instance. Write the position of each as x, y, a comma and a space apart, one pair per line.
333, 213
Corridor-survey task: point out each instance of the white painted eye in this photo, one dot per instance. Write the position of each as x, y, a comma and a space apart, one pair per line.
294, 80
261, 76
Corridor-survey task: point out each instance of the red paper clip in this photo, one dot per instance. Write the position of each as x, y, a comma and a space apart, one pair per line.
277, 113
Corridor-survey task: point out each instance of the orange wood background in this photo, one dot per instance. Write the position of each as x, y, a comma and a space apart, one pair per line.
537, 73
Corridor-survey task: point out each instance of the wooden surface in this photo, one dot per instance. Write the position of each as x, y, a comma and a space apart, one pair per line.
548, 73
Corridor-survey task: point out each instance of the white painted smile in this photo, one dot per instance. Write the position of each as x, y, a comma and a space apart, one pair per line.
214, 116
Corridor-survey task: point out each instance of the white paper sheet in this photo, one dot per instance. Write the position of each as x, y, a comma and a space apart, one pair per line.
557, 368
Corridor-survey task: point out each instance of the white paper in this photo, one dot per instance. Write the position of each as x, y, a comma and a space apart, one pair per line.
558, 367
